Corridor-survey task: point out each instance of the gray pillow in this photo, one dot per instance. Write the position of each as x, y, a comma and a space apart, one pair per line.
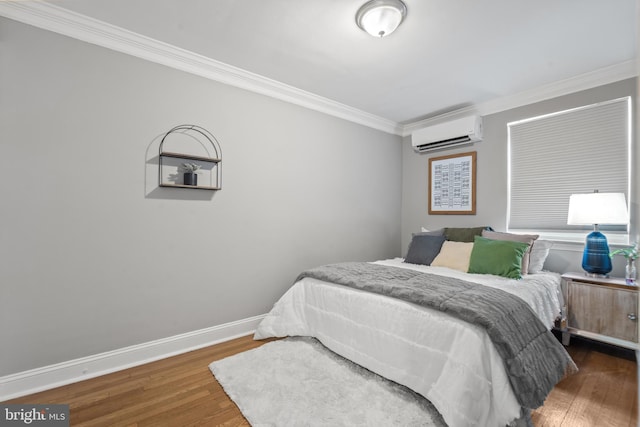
438, 232
424, 248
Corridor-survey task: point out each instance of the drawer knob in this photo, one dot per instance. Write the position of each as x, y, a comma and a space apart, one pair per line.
632, 317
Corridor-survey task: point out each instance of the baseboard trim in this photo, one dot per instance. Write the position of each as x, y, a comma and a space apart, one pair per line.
59, 374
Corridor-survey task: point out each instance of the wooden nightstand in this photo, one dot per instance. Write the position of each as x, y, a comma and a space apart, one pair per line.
604, 309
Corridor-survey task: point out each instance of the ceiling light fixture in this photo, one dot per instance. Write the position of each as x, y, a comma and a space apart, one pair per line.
381, 17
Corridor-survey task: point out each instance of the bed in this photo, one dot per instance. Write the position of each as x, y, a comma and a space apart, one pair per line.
456, 364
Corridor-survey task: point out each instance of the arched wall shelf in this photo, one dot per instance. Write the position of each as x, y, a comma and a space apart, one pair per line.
212, 160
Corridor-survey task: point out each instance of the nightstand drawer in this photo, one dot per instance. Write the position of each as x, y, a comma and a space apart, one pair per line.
603, 310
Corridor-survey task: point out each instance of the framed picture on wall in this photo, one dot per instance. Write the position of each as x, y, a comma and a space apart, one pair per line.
452, 184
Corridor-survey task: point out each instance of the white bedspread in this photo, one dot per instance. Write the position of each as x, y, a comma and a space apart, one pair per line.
452, 363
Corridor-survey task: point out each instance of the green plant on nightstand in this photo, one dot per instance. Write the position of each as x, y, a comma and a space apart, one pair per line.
631, 255
190, 169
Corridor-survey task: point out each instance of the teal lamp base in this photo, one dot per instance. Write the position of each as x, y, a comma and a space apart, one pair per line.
595, 259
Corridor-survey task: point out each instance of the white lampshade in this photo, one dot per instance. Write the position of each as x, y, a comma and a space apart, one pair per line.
597, 208
381, 17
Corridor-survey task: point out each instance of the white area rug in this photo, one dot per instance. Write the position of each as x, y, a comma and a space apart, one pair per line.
298, 382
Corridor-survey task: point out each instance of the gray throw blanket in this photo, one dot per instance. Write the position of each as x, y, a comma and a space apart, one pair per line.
534, 359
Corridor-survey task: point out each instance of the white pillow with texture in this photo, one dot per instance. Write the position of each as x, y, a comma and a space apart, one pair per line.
539, 253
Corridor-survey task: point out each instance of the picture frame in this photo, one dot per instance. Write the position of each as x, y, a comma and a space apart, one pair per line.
452, 184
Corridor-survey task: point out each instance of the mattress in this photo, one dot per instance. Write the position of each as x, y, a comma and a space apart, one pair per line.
450, 362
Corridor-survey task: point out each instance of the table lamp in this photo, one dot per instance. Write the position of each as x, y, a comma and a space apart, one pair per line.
597, 209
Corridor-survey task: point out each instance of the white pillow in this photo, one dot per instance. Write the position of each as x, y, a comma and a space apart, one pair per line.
455, 255
539, 253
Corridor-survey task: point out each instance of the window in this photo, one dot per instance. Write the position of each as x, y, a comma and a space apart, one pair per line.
556, 155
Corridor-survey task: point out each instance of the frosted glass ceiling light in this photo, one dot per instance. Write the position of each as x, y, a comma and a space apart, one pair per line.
381, 17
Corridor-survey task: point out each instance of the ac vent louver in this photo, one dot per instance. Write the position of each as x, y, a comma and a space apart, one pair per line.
449, 134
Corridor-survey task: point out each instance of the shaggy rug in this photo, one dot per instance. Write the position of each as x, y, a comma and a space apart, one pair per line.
299, 382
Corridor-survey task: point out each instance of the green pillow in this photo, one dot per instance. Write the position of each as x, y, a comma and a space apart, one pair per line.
463, 234
498, 257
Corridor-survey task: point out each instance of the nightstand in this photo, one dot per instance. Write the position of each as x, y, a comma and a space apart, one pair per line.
603, 309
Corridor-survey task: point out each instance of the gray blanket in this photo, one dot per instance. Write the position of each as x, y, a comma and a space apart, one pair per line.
534, 359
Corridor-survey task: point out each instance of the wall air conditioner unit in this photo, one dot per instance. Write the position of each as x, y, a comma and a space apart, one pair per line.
449, 134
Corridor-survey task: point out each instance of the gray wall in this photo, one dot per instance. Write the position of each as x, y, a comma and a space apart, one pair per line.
95, 257
492, 185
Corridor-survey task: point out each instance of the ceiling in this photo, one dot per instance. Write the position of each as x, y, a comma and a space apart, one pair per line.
447, 54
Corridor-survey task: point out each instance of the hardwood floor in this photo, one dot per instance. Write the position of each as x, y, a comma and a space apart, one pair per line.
181, 391
603, 394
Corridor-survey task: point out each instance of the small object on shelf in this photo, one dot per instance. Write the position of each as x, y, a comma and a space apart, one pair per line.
630, 272
190, 178
212, 168
191, 169
631, 254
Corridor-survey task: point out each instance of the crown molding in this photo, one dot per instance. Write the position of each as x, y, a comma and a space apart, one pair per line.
62, 21
599, 77
602, 76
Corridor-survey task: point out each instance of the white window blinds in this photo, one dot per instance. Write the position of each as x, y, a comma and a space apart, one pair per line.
556, 155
